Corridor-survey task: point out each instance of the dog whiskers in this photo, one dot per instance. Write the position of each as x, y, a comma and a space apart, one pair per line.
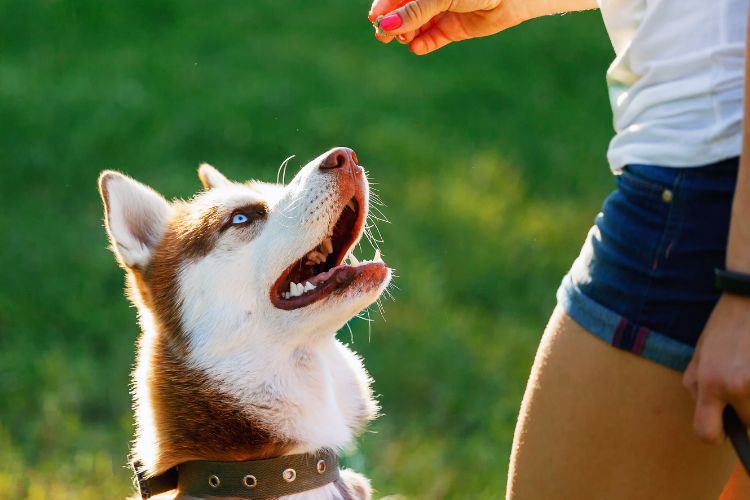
283, 167
382, 217
351, 334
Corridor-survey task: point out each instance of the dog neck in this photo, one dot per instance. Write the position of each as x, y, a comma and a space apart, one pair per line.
252, 404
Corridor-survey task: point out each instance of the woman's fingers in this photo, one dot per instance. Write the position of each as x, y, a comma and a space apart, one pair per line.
411, 16
439, 32
707, 420
719, 373
427, 25
380, 7
429, 41
406, 38
384, 38
713, 394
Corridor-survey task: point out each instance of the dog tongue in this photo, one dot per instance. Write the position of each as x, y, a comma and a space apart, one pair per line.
320, 278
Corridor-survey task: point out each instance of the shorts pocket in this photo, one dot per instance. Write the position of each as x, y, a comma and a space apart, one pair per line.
648, 186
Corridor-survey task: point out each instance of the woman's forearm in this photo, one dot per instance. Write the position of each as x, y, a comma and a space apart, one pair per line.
539, 8
738, 248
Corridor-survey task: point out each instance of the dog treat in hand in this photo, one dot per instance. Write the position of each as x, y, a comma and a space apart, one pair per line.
376, 23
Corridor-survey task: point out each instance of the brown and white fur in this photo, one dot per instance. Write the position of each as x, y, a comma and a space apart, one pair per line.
230, 366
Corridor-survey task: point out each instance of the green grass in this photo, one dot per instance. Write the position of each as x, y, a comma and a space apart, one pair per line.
488, 154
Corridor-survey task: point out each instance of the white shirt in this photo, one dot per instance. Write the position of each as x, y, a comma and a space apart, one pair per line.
676, 83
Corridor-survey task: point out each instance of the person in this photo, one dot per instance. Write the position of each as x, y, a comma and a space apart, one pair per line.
638, 319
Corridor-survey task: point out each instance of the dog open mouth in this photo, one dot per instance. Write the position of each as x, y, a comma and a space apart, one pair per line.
320, 272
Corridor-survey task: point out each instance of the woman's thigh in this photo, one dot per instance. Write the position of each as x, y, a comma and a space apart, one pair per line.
597, 422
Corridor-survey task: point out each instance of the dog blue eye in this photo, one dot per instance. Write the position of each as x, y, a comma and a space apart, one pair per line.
240, 219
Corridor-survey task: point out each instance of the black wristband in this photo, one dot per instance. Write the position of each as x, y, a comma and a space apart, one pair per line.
731, 282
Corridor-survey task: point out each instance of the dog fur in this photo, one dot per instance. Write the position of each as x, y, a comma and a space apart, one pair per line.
226, 368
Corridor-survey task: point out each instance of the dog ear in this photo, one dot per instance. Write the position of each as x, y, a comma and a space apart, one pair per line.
135, 216
210, 177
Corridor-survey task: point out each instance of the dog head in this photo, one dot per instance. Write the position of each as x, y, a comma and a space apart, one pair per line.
252, 254
240, 291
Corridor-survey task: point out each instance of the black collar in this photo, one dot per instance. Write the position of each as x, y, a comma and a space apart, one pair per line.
252, 479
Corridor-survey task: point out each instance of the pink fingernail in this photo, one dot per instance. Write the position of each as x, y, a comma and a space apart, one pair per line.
391, 22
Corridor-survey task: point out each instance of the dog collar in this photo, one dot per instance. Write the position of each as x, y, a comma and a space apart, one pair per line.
252, 479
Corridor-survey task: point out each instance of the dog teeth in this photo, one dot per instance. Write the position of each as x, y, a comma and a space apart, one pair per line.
297, 289
350, 204
327, 245
316, 257
354, 261
321, 253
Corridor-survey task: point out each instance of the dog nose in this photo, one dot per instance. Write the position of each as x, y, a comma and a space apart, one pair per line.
339, 158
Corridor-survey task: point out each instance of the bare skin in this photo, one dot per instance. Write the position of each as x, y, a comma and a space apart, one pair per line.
428, 25
597, 422
719, 373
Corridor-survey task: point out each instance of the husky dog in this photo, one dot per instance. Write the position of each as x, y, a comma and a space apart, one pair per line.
240, 292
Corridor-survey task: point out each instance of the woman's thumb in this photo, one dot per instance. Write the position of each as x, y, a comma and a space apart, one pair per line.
411, 16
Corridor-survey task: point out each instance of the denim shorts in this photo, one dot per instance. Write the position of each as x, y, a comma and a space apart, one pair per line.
643, 281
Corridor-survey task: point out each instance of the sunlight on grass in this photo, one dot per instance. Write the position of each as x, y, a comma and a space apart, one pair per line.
489, 156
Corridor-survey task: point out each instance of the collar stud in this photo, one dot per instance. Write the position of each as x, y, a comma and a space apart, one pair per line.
289, 475
250, 481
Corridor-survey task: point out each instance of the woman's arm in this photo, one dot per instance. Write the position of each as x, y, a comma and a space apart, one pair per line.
539, 8
427, 25
719, 373
738, 249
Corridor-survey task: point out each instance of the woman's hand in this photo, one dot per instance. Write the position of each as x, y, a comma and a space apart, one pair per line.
719, 373
427, 25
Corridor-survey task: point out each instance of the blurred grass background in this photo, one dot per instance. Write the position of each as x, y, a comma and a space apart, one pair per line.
490, 157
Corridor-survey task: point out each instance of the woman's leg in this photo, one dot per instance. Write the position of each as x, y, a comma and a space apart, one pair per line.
600, 423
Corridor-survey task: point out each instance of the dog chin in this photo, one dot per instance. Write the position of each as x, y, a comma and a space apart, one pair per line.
336, 309
342, 283
371, 280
